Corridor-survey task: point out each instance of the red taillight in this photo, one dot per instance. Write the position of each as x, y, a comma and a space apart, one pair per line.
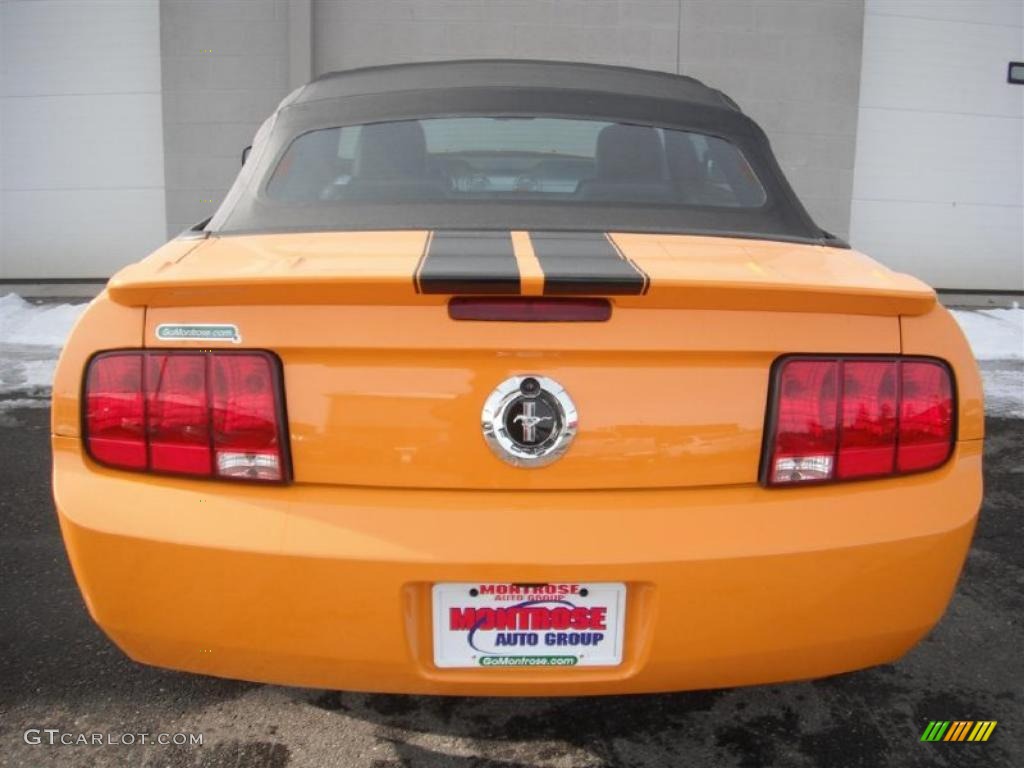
529, 309
926, 416
177, 413
805, 442
203, 414
115, 412
246, 435
868, 423
848, 418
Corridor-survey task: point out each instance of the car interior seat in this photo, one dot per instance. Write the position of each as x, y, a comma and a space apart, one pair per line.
629, 166
390, 163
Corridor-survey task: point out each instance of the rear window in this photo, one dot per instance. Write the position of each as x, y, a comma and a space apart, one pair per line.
539, 159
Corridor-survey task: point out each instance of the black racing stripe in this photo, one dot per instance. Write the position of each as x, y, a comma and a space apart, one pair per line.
576, 263
469, 262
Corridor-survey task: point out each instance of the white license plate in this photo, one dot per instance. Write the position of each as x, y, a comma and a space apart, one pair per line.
528, 625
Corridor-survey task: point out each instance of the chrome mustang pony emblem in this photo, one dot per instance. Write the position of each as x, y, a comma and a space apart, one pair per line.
529, 421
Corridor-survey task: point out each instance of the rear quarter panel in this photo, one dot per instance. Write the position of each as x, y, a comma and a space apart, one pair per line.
103, 325
939, 335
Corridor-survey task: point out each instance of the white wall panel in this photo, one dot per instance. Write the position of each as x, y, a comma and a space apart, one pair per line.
80, 142
81, 232
998, 12
82, 46
81, 136
951, 246
939, 172
938, 65
955, 159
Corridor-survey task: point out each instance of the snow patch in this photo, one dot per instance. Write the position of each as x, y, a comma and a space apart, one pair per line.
47, 325
31, 337
996, 337
994, 334
1004, 388
24, 402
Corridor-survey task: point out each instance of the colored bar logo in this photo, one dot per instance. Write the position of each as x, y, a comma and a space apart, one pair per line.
958, 730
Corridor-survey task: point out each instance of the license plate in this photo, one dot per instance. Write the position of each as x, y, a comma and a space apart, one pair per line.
528, 625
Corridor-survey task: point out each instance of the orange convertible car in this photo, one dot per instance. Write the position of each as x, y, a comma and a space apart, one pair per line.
514, 378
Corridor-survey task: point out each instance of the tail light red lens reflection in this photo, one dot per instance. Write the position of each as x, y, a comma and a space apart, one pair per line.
203, 414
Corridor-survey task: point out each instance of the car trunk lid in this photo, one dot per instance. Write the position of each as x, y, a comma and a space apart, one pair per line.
652, 271
384, 389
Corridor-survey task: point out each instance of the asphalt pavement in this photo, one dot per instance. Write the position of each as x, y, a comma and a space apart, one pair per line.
58, 671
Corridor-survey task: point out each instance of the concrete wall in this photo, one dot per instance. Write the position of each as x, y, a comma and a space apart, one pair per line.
225, 68
359, 33
939, 185
794, 65
81, 144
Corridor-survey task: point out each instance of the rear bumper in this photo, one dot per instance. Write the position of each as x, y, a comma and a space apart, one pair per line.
330, 587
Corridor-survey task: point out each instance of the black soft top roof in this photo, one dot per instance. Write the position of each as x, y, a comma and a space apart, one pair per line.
495, 87
512, 73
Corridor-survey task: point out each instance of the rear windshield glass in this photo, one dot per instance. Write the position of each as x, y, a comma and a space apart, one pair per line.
497, 159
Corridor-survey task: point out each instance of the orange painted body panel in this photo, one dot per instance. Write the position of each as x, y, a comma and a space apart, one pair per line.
326, 582
329, 587
391, 396
376, 268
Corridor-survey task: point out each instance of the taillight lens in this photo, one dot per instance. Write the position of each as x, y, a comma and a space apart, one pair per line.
115, 413
177, 413
805, 437
202, 414
849, 418
926, 416
246, 437
868, 423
